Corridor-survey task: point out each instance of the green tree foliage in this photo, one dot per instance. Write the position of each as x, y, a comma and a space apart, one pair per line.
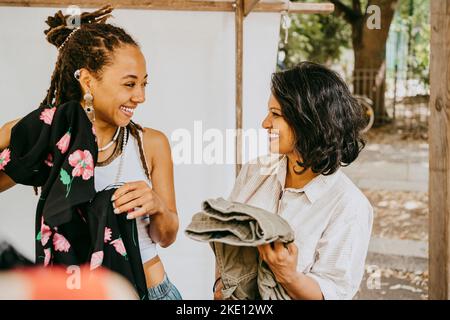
323, 38
318, 38
413, 18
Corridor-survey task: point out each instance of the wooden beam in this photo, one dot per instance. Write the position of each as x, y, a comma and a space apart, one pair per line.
239, 22
249, 5
295, 7
177, 5
439, 140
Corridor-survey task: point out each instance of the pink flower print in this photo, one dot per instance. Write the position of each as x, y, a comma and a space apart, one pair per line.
60, 243
120, 248
48, 254
83, 164
96, 259
4, 158
46, 232
107, 234
63, 143
47, 115
49, 160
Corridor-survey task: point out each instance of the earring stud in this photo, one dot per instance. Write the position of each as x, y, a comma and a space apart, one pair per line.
76, 74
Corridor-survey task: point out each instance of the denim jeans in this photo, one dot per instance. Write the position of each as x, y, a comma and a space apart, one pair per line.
166, 290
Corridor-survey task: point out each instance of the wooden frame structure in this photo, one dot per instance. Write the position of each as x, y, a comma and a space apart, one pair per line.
241, 8
182, 5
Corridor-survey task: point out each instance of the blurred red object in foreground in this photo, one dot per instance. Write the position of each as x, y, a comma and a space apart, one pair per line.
64, 283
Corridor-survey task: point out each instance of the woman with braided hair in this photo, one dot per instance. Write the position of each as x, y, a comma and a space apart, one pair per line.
76, 156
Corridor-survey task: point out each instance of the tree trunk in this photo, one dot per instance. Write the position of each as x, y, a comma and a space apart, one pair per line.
370, 57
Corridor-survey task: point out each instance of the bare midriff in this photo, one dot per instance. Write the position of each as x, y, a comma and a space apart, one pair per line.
154, 272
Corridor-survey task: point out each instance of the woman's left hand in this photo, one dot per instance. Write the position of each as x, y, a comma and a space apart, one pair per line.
136, 195
281, 259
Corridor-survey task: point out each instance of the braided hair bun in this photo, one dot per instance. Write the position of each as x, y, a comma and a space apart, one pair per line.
59, 30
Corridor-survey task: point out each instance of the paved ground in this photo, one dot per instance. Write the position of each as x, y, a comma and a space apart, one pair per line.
399, 214
383, 284
393, 174
390, 167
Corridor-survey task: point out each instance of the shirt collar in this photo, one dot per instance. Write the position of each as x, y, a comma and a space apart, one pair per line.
281, 171
315, 189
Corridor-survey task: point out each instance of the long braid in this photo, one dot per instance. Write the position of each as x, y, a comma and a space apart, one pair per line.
134, 129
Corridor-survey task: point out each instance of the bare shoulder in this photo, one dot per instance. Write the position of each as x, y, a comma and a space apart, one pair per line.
156, 144
155, 138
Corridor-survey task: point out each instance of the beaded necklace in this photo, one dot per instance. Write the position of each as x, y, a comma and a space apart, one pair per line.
111, 142
122, 155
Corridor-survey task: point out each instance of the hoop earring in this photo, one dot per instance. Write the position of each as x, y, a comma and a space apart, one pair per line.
88, 106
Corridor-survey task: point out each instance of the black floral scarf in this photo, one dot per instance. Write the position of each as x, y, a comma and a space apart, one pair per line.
55, 148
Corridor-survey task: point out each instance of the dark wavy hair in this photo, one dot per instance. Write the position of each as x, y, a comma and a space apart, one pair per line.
324, 116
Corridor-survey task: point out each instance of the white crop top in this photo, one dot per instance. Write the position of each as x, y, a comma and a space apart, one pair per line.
132, 170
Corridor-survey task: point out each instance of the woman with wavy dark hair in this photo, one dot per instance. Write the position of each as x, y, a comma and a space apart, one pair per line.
314, 127
85, 123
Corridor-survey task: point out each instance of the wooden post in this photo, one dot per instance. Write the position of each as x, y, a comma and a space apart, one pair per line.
439, 139
239, 22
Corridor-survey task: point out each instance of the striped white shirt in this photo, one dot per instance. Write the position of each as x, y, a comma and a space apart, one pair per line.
331, 218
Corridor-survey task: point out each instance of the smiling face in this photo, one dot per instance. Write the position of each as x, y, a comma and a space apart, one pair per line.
121, 87
281, 136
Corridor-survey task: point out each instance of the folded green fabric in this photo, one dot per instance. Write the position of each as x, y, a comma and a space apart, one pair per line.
234, 230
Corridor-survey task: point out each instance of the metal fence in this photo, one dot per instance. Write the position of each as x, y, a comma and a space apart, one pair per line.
405, 100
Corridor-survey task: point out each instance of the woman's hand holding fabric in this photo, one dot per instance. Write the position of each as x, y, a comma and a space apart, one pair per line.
137, 199
281, 258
